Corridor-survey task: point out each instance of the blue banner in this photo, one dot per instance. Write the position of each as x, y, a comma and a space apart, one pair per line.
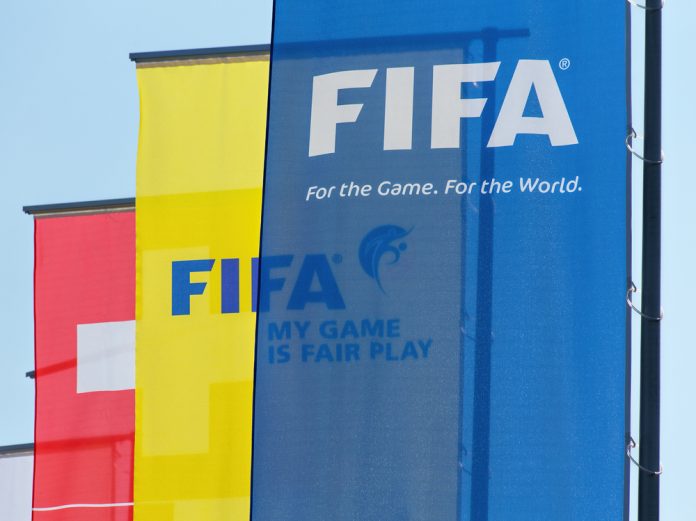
442, 328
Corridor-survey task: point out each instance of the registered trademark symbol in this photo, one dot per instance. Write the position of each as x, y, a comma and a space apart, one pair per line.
564, 64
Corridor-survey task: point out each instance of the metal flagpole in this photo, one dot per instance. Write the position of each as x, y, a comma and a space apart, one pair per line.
649, 475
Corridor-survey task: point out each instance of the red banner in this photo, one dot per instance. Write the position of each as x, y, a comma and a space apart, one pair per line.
85, 336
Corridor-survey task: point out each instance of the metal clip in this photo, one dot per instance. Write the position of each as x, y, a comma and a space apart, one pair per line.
633, 289
633, 445
645, 7
634, 135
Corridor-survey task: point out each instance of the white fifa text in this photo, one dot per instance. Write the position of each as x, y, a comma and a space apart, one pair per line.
448, 106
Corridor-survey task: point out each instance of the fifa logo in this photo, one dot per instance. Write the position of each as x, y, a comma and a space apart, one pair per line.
314, 283
448, 106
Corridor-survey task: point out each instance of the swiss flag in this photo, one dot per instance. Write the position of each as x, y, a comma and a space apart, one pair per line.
85, 338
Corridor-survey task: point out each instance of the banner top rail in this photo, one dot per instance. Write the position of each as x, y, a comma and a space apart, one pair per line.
16, 450
45, 210
197, 53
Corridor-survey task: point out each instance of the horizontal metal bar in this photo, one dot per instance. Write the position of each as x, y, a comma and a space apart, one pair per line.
13, 450
209, 51
82, 206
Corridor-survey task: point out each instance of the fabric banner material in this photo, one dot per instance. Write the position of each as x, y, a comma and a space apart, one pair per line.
84, 317
442, 327
16, 480
198, 201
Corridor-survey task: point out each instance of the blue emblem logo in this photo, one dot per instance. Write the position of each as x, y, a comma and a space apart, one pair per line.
378, 243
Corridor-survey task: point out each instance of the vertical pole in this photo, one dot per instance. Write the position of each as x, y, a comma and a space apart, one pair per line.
649, 484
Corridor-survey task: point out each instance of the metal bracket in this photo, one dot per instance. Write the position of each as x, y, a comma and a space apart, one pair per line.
634, 135
633, 289
633, 445
645, 7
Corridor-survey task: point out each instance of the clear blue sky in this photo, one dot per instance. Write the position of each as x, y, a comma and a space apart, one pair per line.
68, 132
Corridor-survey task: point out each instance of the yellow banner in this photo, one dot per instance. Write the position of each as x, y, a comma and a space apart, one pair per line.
198, 212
